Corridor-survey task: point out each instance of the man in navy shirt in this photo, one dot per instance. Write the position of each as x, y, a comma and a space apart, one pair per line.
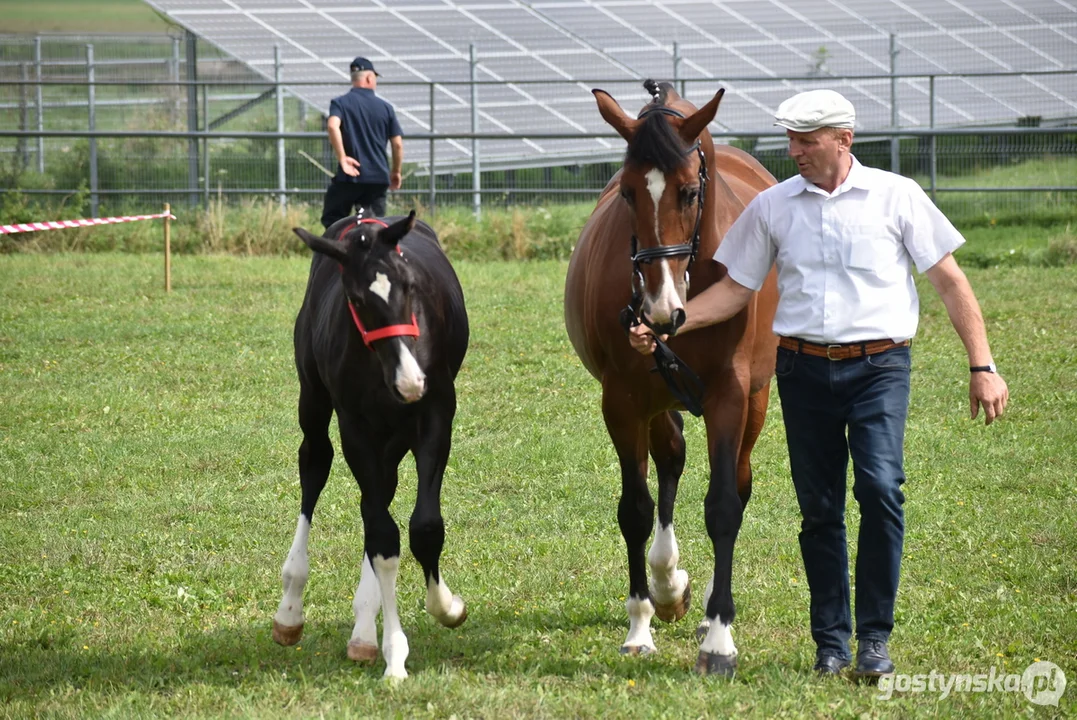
360, 123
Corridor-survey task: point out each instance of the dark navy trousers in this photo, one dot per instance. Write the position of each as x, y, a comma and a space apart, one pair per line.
834, 410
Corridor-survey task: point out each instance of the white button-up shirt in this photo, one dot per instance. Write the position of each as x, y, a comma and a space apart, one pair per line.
844, 259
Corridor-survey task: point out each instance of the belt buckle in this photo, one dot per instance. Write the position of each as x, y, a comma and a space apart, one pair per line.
828, 349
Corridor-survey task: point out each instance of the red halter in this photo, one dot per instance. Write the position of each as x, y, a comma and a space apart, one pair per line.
370, 336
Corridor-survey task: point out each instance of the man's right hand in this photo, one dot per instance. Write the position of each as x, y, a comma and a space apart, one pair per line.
350, 166
641, 338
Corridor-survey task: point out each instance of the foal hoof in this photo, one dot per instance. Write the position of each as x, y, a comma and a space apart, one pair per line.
458, 621
715, 664
638, 650
285, 634
674, 611
362, 652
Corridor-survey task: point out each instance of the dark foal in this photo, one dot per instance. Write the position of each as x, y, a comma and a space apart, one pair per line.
380, 337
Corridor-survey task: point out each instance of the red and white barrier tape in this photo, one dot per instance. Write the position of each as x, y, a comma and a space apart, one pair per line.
81, 222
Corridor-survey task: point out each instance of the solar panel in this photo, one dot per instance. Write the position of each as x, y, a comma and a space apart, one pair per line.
719, 43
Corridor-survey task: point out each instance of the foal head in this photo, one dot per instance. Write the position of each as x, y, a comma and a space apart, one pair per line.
379, 283
663, 186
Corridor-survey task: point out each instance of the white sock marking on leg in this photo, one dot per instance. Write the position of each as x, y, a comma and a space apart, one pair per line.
640, 613
667, 581
293, 576
719, 639
365, 605
394, 644
441, 603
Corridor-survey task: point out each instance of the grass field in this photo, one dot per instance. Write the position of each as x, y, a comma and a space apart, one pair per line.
148, 492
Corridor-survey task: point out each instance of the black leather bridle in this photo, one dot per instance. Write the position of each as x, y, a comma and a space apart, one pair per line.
682, 382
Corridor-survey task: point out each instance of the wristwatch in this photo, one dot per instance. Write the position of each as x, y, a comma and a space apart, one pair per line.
990, 368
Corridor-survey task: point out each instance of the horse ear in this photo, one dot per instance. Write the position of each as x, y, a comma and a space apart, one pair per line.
614, 115
697, 122
317, 243
397, 230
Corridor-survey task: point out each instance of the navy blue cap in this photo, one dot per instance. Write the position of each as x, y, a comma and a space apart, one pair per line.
361, 63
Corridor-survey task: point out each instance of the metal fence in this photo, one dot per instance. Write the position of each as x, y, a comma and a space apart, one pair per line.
132, 131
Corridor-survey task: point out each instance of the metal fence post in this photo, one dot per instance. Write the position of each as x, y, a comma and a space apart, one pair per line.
40, 107
430, 165
205, 147
677, 82
934, 138
895, 143
278, 76
174, 76
24, 117
476, 184
92, 111
192, 118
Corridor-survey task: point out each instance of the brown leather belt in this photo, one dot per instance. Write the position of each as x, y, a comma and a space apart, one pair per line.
840, 352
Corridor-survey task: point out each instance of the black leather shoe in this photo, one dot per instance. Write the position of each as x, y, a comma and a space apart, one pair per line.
828, 665
872, 661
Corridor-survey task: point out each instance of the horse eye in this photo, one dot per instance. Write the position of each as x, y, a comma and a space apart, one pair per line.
690, 196
626, 194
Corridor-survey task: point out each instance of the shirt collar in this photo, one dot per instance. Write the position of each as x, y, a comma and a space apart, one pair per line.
855, 179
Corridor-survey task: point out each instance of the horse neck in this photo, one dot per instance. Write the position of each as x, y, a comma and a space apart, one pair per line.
722, 205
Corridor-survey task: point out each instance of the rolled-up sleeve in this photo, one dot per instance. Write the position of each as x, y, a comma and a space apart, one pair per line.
747, 250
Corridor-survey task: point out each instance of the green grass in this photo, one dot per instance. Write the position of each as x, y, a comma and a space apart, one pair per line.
78, 16
149, 494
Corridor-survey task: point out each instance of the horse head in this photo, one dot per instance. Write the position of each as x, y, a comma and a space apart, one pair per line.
664, 188
378, 283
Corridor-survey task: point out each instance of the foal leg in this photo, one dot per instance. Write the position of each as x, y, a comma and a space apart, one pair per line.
725, 414
315, 459
381, 549
426, 530
363, 645
635, 513
669, 586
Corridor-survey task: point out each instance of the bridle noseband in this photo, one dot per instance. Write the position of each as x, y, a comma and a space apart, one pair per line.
370, 336
682, 382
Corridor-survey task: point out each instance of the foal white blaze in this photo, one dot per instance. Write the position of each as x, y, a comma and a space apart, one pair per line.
293, 577
381, 286
410, 380
668, 582
661, 304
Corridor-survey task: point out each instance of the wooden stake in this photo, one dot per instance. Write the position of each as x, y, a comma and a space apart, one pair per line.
168, 248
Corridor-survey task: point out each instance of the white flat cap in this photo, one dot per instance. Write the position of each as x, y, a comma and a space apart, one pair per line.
808, 111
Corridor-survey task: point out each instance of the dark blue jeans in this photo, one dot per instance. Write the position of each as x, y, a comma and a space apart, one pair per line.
834, 410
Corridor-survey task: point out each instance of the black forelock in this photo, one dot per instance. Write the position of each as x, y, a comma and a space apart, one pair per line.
656, 143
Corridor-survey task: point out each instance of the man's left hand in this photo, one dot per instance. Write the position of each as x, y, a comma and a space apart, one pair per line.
394, 181
989, 390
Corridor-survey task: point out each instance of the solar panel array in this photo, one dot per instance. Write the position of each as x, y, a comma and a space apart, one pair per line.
571, 44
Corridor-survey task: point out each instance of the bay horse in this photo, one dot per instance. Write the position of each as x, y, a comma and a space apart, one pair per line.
380, 337
664, 211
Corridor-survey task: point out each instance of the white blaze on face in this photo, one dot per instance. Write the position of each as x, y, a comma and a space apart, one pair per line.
656, 185
381, 286
410, 379
659, 306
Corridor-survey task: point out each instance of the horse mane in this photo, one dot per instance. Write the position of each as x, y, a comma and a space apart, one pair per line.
655, 142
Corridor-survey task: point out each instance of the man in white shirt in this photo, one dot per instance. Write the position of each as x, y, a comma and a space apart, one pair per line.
845, 239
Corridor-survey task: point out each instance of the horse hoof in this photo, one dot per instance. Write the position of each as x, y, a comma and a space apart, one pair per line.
457, 622
701, 631
638, 650
674, 611
715, 664
362, 652
286, 635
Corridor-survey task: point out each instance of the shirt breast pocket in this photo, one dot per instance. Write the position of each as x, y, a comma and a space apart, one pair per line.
868, 248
